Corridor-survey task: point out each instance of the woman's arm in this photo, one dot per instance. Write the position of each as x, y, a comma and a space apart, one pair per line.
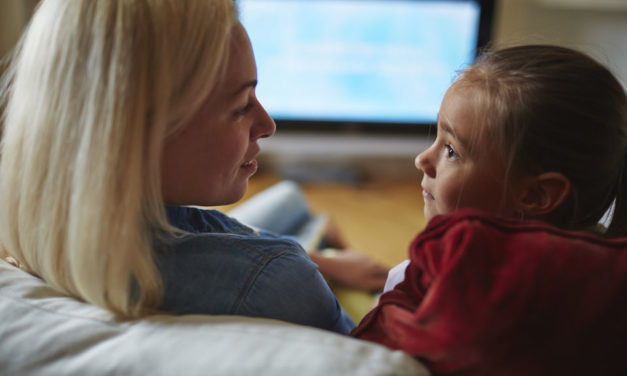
290, 288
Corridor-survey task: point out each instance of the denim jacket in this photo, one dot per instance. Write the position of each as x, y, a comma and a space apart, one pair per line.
221, 267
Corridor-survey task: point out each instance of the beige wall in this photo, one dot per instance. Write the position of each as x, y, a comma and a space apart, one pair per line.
597, 27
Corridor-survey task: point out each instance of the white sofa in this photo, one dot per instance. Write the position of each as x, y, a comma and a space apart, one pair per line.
43, 332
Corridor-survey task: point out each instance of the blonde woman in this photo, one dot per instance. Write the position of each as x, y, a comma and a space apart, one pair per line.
117, 114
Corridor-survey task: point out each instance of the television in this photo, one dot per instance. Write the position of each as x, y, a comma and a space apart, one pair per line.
378, 66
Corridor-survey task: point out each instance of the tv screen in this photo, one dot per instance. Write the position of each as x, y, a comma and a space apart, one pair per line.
378, 64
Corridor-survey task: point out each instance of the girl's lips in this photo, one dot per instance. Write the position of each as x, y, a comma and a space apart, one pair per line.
427, 195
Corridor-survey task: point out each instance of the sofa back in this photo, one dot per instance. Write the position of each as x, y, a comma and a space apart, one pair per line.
43, 332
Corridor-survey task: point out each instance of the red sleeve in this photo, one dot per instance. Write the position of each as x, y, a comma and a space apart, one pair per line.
511, 297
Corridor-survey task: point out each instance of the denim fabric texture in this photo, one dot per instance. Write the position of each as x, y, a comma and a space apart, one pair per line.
222, 267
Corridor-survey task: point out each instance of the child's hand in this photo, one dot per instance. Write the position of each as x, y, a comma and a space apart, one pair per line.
332, 236
352, 269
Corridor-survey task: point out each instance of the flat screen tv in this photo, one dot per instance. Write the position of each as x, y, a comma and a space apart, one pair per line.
365, 65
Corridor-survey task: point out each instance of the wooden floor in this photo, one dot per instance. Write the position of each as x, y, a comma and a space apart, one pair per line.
377, 217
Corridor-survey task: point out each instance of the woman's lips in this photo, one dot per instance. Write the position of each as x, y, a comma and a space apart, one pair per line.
250, 166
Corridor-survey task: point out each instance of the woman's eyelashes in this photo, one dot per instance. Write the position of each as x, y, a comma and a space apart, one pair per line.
243, 110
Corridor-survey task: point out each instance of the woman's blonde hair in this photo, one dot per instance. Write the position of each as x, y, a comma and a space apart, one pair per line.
93, 90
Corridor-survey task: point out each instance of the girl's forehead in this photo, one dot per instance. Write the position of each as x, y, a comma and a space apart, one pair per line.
461, 107
464, 111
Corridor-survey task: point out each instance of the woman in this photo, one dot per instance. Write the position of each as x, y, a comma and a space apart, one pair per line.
115, 110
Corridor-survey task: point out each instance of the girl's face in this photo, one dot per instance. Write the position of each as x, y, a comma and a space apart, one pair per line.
457, 175
210, 160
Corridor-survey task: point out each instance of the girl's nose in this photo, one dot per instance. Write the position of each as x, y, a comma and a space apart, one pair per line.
424, 164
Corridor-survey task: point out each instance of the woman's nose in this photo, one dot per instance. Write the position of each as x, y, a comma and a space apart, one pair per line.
265, 126
424, 164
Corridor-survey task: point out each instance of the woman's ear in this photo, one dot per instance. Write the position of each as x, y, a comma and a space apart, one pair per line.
542, 194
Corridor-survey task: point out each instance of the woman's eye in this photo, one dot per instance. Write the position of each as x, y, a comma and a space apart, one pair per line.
450, 152
243, 110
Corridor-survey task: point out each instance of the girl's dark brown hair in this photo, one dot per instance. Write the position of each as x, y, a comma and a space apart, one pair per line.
551, 108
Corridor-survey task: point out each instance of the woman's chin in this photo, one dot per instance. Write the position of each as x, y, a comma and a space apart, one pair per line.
227, 196
235, 194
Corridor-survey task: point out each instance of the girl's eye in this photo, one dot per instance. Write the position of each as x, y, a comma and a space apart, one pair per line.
450, 152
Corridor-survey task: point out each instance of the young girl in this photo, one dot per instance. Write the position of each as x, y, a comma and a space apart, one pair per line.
530, 139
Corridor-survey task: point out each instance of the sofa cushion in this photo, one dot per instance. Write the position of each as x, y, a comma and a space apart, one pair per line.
44, 332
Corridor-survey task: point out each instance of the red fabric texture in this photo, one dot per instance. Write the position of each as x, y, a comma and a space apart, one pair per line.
490, 296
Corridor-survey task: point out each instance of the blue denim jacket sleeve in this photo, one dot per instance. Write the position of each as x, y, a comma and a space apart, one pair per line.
290, 288
222, 267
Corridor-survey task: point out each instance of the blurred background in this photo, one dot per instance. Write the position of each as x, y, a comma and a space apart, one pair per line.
597, 27
367, 182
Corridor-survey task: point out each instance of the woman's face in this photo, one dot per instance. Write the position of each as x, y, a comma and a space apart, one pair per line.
210, 160
455, 175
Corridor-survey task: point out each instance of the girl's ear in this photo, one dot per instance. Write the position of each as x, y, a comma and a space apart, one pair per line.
542, 194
